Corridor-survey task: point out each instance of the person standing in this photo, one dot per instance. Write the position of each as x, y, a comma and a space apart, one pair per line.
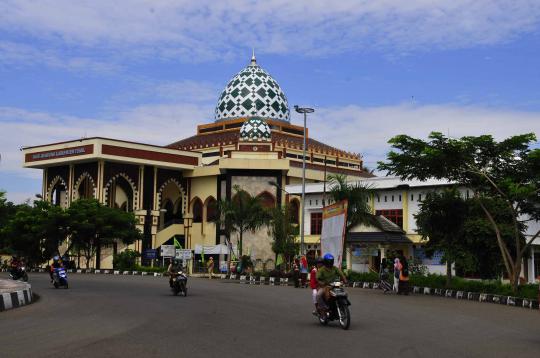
313, 282
210, 267
397, 270
296, 273
303, 271
403, 276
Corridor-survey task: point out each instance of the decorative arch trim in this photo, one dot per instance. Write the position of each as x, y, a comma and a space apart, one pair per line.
131, 183
183, 194
75, 192
57, 179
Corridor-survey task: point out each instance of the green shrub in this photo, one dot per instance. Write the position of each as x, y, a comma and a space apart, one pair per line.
486, 286
126, 260
354, 276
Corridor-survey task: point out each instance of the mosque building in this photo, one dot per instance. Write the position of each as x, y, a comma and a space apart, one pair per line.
173, 189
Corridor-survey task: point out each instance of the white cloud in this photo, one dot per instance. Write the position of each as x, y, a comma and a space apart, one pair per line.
205, 29
18, 54
358, 129
367, 129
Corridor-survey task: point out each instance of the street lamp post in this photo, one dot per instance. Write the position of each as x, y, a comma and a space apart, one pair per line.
305, 111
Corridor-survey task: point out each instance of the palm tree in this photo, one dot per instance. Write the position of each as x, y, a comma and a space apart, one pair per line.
243, 213
284, 232
357, 195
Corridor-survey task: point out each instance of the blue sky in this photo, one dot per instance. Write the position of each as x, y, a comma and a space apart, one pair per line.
151, 71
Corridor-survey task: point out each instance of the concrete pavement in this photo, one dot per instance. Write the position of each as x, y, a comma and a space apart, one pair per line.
113, 316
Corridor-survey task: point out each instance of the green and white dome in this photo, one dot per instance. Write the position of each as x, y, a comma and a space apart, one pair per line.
255, 129
252, 93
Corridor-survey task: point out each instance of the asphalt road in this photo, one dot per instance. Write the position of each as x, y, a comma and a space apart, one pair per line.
126, 316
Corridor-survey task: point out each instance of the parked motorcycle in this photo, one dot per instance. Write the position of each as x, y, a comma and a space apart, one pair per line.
338, 307
19, 274
60, 278
179, 284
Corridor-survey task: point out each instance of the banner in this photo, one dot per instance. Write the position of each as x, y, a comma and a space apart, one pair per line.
333, 230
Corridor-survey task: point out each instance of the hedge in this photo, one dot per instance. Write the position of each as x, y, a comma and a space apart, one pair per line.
458, 284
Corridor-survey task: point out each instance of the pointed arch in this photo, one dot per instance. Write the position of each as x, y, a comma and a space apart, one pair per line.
58, 186
210, 205
131, 184
81, 189
294, 207
183, 197
197, 209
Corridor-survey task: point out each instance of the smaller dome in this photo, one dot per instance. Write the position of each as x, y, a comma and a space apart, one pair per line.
255, 129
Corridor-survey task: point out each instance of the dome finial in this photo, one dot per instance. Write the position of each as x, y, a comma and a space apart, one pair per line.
253, 59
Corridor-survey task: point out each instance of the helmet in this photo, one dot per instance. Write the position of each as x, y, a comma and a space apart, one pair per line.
56, 258
328, 260
319, 261
176, 262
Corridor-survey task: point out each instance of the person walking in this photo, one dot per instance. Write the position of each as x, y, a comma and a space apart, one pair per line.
210, 267
384, 273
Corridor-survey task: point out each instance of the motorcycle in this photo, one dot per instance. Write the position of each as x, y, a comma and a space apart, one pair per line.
179, 284
19, 274
338, 307
60, 278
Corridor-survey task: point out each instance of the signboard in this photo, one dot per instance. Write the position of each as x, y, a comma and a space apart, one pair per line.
60, 153
167, 251
183, 254
333, 230
150, 254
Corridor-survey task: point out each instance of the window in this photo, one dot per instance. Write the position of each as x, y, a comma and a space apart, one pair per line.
419, 197
400, 197
392, 198
211, 210
295, 211
316, 223
385, 198
378, 199
197, 210
267, 200
412, 197
309, 202
316, 201
395, 216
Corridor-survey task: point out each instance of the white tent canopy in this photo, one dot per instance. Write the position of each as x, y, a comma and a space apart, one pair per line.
220, 249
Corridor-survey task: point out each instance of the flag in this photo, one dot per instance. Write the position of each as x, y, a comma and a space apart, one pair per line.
279, 259
177, 244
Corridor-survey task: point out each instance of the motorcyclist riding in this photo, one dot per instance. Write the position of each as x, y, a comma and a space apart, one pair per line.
57, 263
14, 265
325, 276
173, 269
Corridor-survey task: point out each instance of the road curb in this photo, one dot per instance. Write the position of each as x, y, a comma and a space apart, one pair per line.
18, 297
532, 304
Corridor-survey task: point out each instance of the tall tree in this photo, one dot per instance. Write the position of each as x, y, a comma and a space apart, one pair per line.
94, 225
283, 231
244, 213
36, 232
441, 222
508, 171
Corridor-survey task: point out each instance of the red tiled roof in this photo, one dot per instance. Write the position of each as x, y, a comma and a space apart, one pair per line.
280, 138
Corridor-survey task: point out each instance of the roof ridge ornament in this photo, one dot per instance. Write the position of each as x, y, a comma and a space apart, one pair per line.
253, 59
